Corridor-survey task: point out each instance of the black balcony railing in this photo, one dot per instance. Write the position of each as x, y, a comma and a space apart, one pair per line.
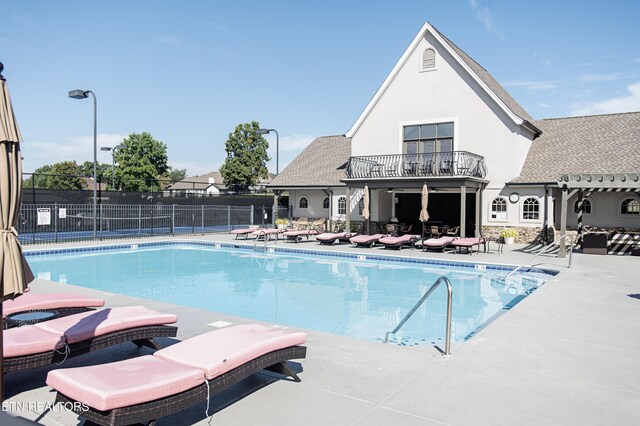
455, 164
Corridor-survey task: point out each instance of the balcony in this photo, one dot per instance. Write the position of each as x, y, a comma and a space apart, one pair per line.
439, 164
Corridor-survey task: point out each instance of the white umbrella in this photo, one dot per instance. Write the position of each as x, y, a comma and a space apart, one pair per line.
15, 273
424, 214
365, 201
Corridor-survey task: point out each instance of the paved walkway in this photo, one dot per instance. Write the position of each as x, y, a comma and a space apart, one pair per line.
569, 354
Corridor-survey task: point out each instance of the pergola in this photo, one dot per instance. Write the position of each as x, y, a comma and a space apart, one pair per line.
584, 185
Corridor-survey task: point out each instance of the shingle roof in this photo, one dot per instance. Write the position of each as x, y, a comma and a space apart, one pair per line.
488, 79
199, 182
318, 165
591, 144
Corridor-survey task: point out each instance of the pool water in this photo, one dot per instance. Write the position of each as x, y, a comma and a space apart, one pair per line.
345, 296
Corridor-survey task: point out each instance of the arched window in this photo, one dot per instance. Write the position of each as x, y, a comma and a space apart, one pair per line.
499, 209
630, 206
304, 203
325, 203
586, 206
342, 205
428, 59
531, 209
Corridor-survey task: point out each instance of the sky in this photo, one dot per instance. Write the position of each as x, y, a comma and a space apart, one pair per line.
189, 71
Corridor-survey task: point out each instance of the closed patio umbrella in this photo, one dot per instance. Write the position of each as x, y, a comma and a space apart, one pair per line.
365, 201
424, 214
15, 273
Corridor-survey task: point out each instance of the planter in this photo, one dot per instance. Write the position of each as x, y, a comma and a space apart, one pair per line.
282, 226
509, 240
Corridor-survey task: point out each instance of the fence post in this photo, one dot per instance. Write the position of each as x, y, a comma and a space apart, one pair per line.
55, 222
100, 216
173, 219
228, 218
139, 219
202, 217
251, 215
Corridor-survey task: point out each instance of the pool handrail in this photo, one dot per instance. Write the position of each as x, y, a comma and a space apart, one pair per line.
447, 347
545, 249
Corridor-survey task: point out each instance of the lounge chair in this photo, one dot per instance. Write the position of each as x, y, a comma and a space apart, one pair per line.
266, 233
468, 243
59, 304
297, 236
437, 243
244, 232
54, 341
398, 242
146, 388
330, 237
366, 240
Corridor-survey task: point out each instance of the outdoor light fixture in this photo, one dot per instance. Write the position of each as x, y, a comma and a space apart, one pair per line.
113, 162
266, 131
83, 94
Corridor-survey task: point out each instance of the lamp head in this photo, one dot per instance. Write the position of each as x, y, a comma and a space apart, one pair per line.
105, 148
78, 94
263, 131
119, 146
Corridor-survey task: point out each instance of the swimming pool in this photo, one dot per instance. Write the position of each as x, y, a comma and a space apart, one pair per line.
354, 295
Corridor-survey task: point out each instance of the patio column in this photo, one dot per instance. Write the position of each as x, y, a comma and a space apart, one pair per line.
580, 224
347, 226
463, 211
563, 223
393, 204
274, 216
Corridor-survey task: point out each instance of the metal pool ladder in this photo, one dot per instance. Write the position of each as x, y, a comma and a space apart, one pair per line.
544, 250
447, 347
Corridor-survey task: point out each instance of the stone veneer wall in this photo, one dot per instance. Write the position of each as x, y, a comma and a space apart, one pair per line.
526, 235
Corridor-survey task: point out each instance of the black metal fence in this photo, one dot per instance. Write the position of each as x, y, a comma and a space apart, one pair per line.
54, 223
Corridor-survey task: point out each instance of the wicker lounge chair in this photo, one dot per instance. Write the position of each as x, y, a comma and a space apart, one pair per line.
146, 388
266, 233
366, 240
468, 243
59, 304
297, 236
54, 341
398, 242
330, 237
437, 243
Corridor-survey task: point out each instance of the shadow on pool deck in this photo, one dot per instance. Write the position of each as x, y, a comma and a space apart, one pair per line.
566, 355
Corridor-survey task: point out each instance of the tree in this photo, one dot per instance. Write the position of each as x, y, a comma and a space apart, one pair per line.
86, 169
246, 157
176, 175
62, 175
141, 163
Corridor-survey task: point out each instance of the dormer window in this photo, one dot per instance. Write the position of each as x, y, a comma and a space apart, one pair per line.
428, 59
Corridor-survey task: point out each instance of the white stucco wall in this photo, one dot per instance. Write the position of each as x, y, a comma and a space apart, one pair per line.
445, 94
515, 210
316, 198
605, 208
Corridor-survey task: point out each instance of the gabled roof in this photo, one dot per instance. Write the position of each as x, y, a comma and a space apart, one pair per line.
596, 144
321, 164
199, 182
484, 79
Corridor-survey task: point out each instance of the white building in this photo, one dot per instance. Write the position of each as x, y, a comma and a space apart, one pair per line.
440, 118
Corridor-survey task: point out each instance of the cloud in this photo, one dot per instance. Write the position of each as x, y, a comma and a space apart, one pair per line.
544, 105
594, 78
174, 42
222, 29
78, 149
627, 103
195, 169
534, 85
8, 41
484, 15
636, 61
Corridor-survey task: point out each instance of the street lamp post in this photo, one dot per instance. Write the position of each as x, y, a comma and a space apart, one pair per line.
266, 131
83, 94
113, 162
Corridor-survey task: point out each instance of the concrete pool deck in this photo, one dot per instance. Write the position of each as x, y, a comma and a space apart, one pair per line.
569, 354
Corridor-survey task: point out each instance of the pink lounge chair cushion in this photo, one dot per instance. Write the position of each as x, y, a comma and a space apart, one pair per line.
300, 233
328, 236
96, 323
403, 239
29, 340
438, 242
220, 351
244, 231
265, 231
32, 301
361, 239
124, 383
468, 242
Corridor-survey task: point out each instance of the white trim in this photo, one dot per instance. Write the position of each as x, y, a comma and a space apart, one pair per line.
490, 210
400, 64
300, 199
627, 196
524, 198
572, 210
